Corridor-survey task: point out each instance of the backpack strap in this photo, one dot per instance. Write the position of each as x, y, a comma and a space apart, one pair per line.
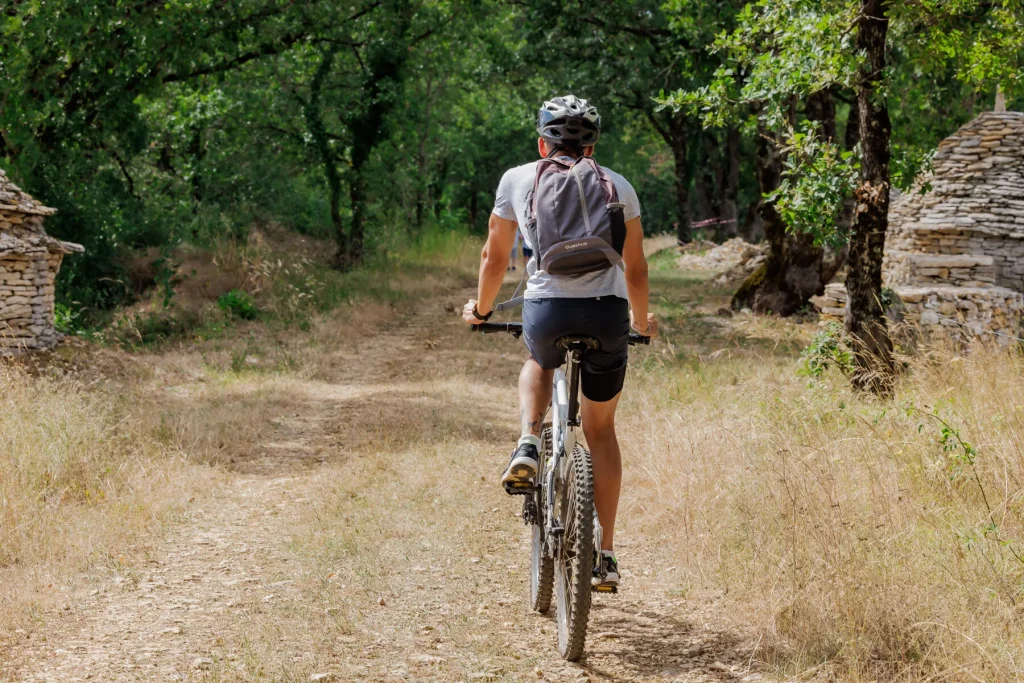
542, 167
611, 193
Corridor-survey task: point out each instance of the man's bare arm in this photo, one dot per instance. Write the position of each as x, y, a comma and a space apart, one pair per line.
637, 285
501, 234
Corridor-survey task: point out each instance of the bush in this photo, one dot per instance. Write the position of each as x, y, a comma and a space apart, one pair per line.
238, 304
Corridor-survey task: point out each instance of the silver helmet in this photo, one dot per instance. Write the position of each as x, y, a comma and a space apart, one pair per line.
569, 122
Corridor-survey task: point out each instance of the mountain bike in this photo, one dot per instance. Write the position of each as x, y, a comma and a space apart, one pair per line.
559, 505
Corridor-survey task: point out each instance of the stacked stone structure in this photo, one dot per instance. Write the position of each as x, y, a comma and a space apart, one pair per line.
29, 261
954, 254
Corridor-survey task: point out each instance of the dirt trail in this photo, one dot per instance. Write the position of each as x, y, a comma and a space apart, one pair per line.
367, 539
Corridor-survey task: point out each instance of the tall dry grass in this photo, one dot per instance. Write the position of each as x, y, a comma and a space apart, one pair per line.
79, 480
862, 539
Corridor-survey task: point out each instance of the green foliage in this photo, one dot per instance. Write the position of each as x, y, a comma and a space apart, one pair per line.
238, 304
818, 177
783, 51
66, 319
908, 165
155, 124
826, 350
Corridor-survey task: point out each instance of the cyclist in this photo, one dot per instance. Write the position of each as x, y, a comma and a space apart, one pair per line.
604, 304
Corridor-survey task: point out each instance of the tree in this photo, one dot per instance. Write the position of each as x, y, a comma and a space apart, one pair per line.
789, 49
623, 52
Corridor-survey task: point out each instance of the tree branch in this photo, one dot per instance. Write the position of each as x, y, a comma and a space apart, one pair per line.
267, 49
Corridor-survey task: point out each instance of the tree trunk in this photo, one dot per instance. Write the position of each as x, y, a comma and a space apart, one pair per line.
357, 197
328, 159
680, 157
708, 180
382, 76
731, 184
865, 323
674, 133
795, 269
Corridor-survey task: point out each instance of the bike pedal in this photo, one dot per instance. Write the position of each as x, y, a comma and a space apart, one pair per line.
606, 589
519, 488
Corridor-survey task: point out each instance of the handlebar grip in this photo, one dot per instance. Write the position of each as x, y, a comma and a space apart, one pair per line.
490, 328
639, 339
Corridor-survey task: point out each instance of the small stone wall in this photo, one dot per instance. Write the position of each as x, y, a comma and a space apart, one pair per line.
27, 300
29, 262
963, 313
954, 254
974, 208
954, 312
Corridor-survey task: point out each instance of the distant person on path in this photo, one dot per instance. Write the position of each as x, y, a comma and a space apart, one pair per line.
604, 303
512, 256
527, 252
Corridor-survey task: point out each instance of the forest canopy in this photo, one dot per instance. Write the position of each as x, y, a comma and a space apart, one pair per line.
151, 124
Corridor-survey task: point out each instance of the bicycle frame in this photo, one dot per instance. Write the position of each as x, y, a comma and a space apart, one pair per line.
565, 419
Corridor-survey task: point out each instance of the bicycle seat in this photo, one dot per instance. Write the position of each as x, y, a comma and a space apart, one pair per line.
580, 342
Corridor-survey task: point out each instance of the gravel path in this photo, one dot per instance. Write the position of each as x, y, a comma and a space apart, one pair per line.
367, 539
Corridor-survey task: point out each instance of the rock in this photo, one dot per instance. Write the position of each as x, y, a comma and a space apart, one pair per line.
735, 257
324, 677
202, 663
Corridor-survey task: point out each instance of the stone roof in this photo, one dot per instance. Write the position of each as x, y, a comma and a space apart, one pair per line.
14, 199
30, 243
977, 185
21, 224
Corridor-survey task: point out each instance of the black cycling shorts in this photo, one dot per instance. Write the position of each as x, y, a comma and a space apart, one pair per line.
606, 318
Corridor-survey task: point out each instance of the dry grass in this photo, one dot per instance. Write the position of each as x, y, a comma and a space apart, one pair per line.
853, 539
875, 540
79, 480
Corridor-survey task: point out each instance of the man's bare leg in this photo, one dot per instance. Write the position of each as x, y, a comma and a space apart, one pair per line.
599, 428
534, 397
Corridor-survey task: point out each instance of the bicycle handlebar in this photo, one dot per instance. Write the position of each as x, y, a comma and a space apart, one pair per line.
516, 329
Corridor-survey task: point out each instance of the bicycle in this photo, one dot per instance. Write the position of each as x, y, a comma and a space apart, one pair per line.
559, 505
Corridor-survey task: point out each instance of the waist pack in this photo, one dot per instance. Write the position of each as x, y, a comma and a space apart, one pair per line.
576, 221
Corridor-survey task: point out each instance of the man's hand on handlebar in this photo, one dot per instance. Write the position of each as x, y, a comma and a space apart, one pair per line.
652, 325
472, 315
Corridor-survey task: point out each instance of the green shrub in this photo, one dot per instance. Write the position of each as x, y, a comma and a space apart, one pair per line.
238, 304
827, 349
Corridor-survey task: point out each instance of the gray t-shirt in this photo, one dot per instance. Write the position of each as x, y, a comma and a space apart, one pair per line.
510, 204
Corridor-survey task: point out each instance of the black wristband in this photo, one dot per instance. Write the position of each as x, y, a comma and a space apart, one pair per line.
481, 318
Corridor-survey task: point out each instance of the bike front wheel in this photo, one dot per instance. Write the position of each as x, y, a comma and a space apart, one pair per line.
575, 557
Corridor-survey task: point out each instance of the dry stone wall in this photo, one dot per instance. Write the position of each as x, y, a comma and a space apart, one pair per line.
29, 262
954, 253
968, 228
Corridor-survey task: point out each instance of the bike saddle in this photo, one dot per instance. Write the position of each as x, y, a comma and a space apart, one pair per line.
572, 342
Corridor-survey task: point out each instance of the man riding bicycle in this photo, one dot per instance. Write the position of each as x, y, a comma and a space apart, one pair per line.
603, 303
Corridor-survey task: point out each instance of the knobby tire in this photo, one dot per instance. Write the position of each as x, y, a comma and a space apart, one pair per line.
573, 565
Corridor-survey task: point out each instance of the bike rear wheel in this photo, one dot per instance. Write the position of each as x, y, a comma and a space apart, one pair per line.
542, 566
575, 558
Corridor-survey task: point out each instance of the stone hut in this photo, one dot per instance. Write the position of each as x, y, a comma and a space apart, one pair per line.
955, 254
29, 261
